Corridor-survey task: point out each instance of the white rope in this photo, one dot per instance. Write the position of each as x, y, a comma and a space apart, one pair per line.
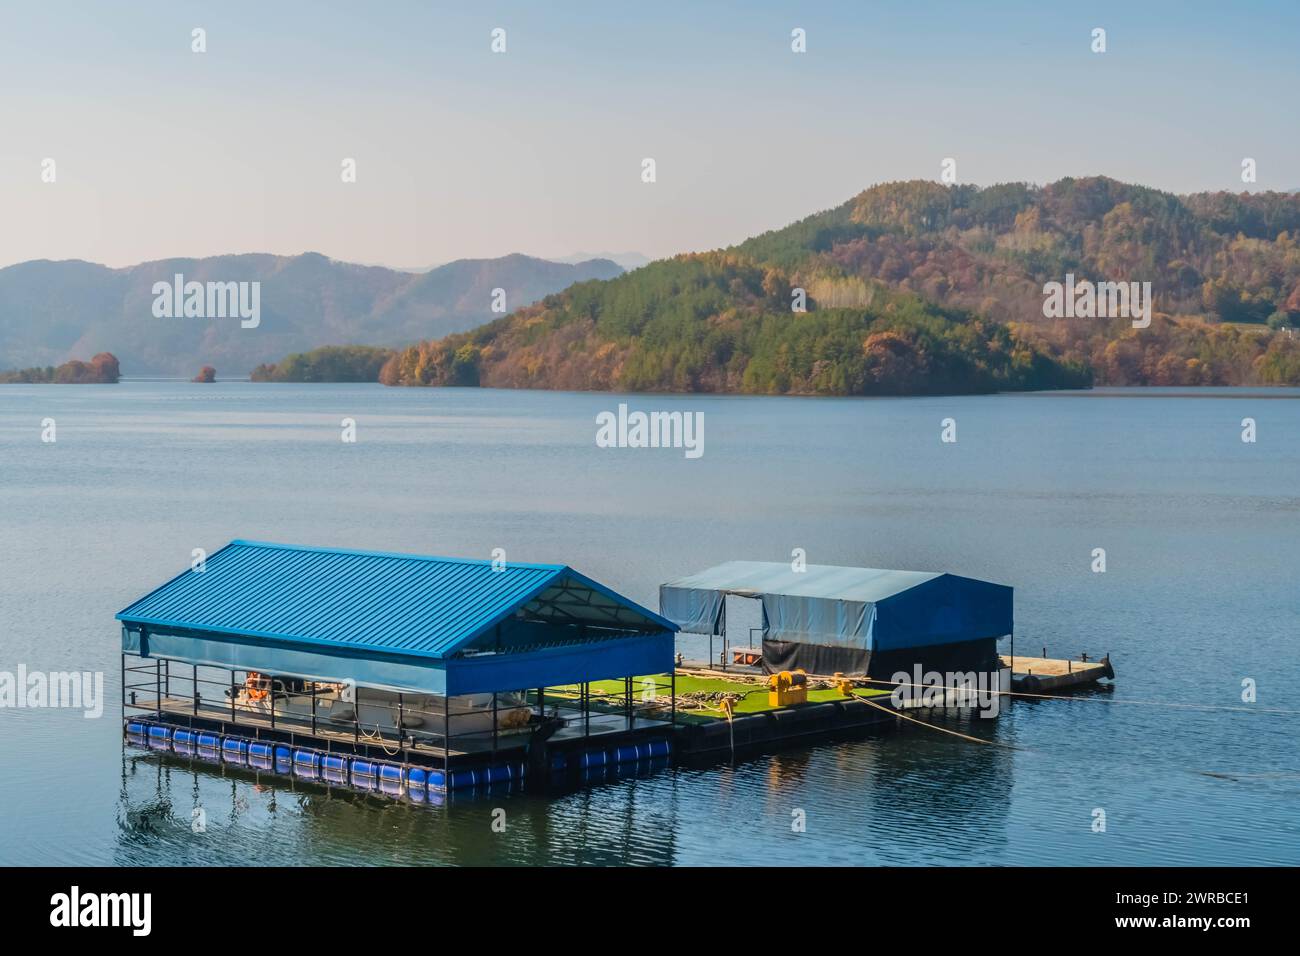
1106, 700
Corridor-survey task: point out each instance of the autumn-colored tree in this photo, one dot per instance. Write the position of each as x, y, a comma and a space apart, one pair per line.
102, 369
950, 277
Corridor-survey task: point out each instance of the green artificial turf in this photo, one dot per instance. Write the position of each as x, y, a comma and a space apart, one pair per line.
607, 695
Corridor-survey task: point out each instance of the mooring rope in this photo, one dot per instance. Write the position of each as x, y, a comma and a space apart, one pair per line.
1179, 705
377, 735
870, 703
942, 730
1105, 700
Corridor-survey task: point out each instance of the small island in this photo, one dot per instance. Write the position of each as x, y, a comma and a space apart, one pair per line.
206, 375
103, 369
329, 363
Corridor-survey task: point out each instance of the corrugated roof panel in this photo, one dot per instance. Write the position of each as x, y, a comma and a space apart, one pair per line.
398, 603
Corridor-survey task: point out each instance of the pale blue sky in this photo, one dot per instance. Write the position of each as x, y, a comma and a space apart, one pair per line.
460, 152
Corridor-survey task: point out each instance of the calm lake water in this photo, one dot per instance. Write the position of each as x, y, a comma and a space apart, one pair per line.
1201, 531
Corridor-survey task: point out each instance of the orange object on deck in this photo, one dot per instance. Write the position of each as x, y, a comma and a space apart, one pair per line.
257, 686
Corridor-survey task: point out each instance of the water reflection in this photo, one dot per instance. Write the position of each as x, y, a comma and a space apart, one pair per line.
283, 818
870, 799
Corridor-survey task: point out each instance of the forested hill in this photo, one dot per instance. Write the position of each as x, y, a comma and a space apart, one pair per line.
919, 287
718, 322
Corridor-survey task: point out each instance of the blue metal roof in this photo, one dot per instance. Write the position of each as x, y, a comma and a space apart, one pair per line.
376, 601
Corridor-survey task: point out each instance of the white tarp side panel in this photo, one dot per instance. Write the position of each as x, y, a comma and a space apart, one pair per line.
948, 610
694, 610
830, 605
810, 620
394, 675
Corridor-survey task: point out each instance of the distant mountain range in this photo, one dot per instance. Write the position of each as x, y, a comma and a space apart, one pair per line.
628, 260
921, 287
51, 311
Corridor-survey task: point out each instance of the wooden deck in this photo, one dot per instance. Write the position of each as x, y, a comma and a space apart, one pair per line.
181, 711
1042, 674
705, 669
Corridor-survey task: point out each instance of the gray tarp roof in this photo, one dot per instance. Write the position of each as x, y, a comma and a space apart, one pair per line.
869, 608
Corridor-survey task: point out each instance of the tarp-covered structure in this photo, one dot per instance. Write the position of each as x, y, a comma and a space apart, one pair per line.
863, 621
401, 622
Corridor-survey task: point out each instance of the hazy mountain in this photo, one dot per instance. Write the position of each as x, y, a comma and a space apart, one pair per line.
52, 311
628, 260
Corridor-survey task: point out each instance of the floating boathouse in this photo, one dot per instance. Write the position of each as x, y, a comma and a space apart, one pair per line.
372, 668
415, 675
867, 622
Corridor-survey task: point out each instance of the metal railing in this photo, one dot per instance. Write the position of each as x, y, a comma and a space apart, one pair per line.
290, 705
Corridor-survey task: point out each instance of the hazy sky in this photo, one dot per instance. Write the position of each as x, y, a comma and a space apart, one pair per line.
461, 152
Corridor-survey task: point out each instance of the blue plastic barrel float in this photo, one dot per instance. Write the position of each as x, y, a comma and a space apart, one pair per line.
590, 759
417, 779
461, 779
334, 768
234, 749
184, 741
306, 763
365, 774
438, 781
647, 750
391, 779
504, 773
261, 755
209, 745
283, 759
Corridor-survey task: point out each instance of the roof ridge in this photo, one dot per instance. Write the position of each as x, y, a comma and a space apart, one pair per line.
402, 555
774, 565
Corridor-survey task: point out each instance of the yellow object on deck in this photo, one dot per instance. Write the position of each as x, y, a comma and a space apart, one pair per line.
787, 687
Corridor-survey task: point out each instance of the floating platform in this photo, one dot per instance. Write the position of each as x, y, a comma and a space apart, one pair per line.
1037, 675
590, 736
593, 742
592, 747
